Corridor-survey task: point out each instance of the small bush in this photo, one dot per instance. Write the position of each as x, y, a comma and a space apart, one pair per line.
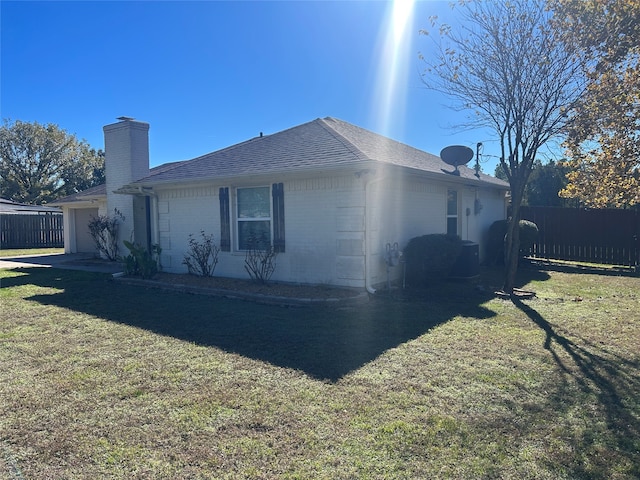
430, 257
202, 257
528, 236
140, 261
260, 261
104, 231
497, 232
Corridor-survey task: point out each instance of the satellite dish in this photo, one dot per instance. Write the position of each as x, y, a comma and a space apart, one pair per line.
456, 155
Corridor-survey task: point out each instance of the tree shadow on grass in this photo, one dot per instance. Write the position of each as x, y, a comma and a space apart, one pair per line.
604, 375
324, 342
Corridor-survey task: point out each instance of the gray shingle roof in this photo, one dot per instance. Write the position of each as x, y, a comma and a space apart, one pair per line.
321, 143
100, 191
10, 207
92, 193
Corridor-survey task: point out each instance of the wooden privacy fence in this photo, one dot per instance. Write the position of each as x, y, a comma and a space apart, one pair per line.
31, 231
596, 236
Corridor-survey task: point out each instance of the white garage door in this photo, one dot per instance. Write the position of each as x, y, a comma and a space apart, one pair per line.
84, 242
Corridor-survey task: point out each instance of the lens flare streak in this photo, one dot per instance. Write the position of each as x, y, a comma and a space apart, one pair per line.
390, 91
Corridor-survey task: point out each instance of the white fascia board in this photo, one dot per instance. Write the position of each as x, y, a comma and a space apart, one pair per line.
347, 169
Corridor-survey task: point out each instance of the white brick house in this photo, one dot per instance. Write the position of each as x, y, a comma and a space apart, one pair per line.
328, 195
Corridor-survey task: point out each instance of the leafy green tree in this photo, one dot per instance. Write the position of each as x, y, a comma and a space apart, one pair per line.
603, 142
546, 182
39, 163
505, 65
500, 173
544, 186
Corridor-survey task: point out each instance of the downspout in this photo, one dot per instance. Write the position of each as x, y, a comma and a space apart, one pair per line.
367, 253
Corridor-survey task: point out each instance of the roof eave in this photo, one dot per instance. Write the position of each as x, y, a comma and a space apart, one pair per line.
350, 168
450, 177
82, 200
143, 186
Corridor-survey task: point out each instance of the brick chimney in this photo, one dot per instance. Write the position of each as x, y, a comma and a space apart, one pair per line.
126, 146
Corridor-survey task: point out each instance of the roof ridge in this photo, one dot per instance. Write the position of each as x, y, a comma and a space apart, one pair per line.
386, 139
323, 122
379, 137
250, 140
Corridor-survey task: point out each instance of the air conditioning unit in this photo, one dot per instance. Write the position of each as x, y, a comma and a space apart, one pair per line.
468, 263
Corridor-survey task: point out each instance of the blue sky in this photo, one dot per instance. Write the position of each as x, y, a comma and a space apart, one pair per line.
210, 74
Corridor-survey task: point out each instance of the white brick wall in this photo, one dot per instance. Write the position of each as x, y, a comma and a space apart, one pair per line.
493, 208
406, 208
310, 226
182, 212
325, 224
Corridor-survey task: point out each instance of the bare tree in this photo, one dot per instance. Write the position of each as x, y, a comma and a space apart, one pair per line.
506, 67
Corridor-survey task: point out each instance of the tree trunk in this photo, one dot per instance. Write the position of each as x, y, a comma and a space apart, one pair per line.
512, 250
512, 239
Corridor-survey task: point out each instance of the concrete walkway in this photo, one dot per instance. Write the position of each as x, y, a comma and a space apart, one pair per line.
73, 261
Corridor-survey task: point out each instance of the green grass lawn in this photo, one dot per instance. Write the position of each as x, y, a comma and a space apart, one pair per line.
99, 379
15, 252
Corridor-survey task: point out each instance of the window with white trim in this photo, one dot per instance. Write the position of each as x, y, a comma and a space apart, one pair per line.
253, 219
452, 212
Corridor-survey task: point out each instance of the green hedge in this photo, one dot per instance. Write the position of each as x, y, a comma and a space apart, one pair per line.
497, 232
430, 257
